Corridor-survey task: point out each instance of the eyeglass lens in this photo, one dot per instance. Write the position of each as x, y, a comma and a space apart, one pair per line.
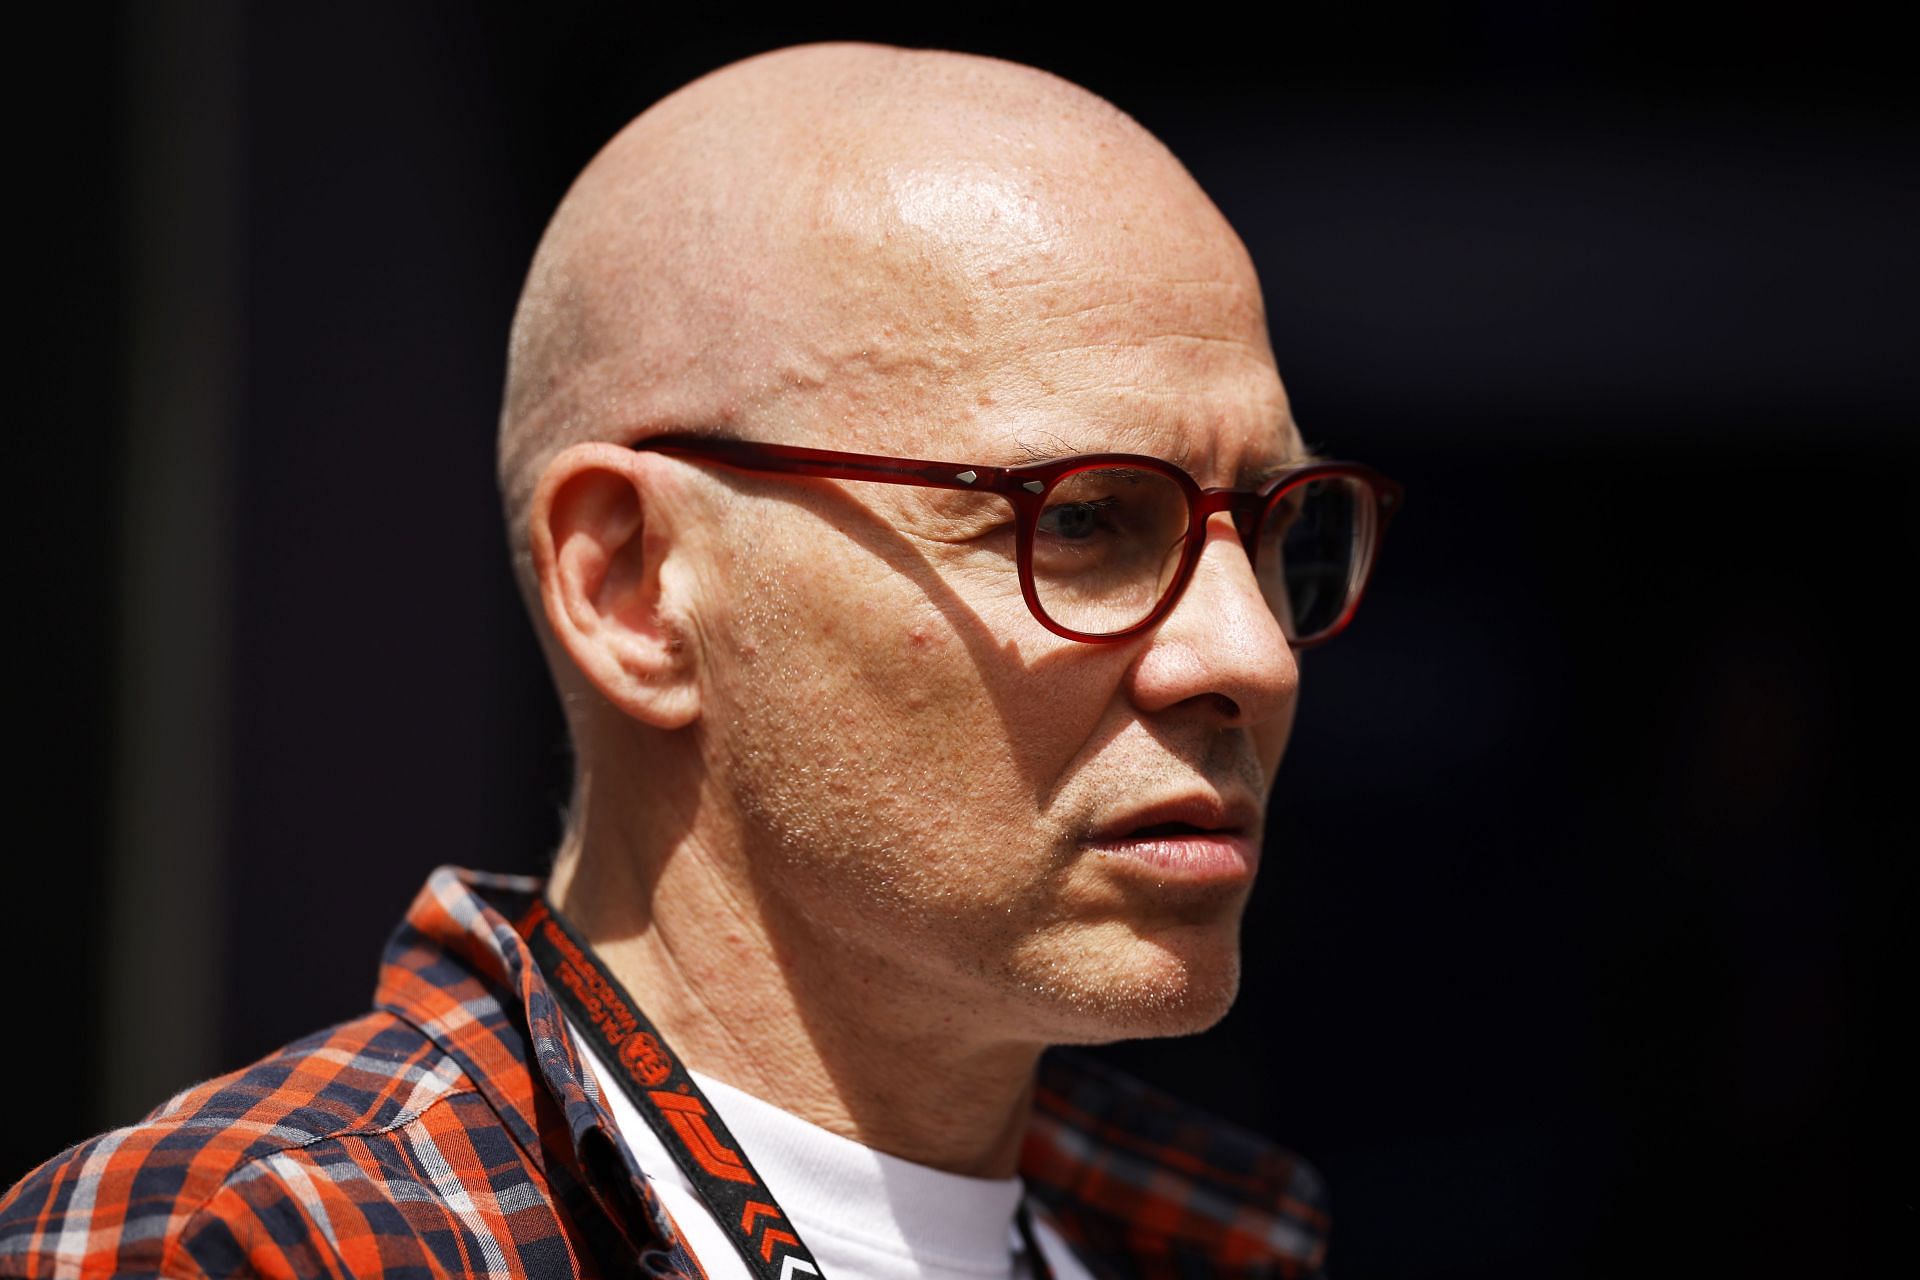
1312, 552
1109, 542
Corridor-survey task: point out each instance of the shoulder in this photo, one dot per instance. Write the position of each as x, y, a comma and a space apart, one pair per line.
1127, 1170
314, 1148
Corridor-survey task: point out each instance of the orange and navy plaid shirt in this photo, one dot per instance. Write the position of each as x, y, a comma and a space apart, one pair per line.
452, 1132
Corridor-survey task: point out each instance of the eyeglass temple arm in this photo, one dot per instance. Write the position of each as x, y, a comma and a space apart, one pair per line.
831, 464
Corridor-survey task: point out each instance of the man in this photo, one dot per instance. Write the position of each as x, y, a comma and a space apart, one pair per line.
914, 736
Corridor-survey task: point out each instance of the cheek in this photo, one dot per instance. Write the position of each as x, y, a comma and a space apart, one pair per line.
921, 672
835, 675
1270, 739
897, 753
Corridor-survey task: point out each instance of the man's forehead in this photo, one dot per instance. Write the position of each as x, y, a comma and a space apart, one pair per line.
1135, 346
1194, 385
1177, 369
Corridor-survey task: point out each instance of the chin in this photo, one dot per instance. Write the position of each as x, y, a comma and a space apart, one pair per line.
1173, 984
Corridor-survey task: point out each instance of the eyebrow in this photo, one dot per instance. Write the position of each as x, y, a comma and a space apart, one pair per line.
1260, 475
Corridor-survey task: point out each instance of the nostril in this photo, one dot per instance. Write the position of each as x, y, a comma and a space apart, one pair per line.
1227, 707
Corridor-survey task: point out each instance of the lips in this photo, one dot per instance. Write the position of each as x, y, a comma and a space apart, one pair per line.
1201, 838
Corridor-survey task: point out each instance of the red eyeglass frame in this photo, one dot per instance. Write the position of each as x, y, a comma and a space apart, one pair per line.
1026, 488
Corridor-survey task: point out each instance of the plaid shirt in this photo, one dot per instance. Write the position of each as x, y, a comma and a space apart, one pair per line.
449, 1133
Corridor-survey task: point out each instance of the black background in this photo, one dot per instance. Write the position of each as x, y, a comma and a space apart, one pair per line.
1571, 954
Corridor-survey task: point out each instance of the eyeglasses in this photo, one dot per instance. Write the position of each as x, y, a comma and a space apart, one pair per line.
1107, 542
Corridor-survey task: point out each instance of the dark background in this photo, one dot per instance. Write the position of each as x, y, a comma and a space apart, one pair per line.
1571, 956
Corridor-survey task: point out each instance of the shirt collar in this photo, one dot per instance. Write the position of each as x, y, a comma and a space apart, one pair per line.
457, 969
1121, 1168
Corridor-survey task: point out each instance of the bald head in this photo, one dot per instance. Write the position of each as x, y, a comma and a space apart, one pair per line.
784, 239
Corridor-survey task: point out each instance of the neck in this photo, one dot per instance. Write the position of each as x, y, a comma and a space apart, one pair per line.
827, 1036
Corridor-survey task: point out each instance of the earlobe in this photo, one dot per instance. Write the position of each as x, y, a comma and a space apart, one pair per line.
600, 532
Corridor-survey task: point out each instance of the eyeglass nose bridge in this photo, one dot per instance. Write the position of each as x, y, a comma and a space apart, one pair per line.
1244, 507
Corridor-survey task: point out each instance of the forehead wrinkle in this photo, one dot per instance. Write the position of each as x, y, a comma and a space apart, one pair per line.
1090, 292
1233, 395
1104, 399
1086, 327
1176, 363
1158, 438
1186, 303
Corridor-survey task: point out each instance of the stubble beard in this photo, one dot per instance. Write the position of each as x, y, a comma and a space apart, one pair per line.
880, 867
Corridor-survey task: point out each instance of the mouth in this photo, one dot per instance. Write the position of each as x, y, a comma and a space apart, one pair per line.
1171, 830
1202, 840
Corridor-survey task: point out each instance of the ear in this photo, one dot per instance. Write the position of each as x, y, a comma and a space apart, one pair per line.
600, 533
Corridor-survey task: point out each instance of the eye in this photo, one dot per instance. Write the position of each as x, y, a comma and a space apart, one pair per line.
1116, 518
1078, 520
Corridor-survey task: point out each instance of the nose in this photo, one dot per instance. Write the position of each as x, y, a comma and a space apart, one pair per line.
1221, 648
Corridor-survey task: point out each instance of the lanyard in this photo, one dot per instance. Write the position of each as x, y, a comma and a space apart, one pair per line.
664, 1093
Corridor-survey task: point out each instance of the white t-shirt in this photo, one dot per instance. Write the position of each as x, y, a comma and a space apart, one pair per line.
864, 1215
